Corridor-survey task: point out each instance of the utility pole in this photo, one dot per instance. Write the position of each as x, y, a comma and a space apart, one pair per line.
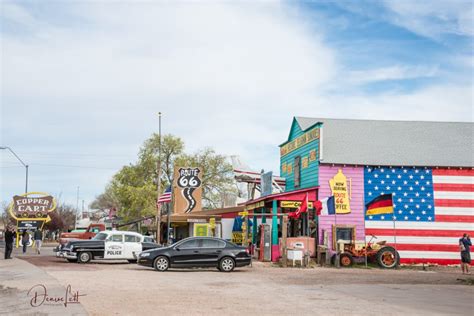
77, 208
158, 215
21, 161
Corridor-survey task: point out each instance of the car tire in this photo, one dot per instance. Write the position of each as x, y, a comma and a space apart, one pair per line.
227, 264
84, 257
161, 264
71, 260
132, 260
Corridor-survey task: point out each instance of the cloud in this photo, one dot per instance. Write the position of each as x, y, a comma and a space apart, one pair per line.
434, 18
396, 72
225, 75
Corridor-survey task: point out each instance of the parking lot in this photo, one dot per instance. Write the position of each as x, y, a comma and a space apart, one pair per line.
262, 289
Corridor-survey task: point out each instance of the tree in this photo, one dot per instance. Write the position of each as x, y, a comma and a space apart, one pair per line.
217, 176
63, 218
132, 189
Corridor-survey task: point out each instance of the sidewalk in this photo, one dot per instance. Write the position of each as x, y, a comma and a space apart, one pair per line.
18, 277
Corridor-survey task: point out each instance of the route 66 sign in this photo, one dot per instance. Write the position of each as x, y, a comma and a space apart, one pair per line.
188, 183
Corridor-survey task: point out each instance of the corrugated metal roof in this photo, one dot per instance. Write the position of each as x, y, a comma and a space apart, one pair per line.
395, 143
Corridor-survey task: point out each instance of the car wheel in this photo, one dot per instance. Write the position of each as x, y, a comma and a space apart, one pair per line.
227, 264
84, 257
71, 260
161, 263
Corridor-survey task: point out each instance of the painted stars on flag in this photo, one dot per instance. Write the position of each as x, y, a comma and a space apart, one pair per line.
411, 188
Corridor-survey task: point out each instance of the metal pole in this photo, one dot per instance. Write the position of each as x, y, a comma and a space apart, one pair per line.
77, 208
168, 223
158, 215
21, 161
26, 182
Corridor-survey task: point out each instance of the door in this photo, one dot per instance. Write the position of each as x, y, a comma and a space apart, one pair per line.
187, 253
114, 247
132, 245
211, 250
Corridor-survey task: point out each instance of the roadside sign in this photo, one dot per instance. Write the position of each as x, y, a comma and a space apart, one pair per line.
212, 222
244, 213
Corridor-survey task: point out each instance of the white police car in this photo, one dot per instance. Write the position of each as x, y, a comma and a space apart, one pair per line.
107, 245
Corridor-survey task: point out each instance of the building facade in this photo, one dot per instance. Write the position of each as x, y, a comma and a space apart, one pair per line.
427, 167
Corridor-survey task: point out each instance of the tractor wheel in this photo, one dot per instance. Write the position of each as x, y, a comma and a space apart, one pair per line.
388, 258
346, 259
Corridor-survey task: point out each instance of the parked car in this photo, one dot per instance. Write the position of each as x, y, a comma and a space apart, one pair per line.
91, 231
107, 245
197, 252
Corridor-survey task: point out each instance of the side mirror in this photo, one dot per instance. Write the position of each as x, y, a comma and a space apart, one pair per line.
177, 248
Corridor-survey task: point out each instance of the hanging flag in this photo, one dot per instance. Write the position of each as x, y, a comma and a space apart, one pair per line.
166, 196
303, 207
328, 206
382, 204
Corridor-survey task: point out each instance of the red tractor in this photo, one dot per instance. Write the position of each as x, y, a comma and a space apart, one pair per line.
385, 256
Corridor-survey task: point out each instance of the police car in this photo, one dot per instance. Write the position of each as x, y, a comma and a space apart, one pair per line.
107, 245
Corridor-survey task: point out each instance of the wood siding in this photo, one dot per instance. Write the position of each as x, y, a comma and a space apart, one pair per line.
308, 175
356, 217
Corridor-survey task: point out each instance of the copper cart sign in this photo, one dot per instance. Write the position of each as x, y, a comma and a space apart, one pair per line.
32, 206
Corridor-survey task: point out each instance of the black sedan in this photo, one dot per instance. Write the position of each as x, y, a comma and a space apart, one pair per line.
197, 252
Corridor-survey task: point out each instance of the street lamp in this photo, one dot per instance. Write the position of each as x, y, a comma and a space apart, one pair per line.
25, 165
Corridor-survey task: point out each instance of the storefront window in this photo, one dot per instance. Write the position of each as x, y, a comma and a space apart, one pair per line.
343, 232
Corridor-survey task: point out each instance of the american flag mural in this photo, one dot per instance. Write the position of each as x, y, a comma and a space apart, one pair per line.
432, 209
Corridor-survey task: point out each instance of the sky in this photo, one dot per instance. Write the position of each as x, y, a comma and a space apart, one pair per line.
82, 82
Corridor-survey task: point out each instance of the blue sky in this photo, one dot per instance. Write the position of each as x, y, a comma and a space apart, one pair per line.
82, 82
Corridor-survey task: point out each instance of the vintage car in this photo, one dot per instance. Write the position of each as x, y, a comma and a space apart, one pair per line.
107, 245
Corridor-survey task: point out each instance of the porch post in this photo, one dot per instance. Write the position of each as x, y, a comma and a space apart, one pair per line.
254, 228
275, 248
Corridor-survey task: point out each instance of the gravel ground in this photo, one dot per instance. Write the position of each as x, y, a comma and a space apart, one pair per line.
128, 289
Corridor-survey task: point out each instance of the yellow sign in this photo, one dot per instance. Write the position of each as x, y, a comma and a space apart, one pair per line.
293, 204
238, 237
244, 213
304, 162
340, 192
32, 206
283, 167
212, 222
312, 155
299, 142
289, 168
254, 206
201, 230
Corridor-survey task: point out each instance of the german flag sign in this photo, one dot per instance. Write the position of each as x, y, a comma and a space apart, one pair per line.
380, 205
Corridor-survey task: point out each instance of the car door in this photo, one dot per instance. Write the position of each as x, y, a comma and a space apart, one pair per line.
186, 253
211, 250
132, 245
114, 246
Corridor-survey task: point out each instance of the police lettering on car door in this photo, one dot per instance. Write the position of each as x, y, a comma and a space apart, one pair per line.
114, 246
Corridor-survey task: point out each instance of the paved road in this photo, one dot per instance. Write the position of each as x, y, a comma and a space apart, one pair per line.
127, 289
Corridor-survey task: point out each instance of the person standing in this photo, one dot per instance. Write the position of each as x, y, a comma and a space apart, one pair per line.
9, 237
38, 237
25, 240
464, 244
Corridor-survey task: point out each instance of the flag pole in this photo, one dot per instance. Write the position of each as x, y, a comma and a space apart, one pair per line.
337, 262
393, 220
365, 238
158, 189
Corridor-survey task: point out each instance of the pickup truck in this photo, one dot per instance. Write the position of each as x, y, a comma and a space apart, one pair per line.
91, 231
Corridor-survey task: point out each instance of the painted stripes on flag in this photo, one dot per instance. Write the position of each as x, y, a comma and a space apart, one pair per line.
433, 208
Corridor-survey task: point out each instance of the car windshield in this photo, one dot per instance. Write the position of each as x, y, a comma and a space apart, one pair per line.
100, 236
